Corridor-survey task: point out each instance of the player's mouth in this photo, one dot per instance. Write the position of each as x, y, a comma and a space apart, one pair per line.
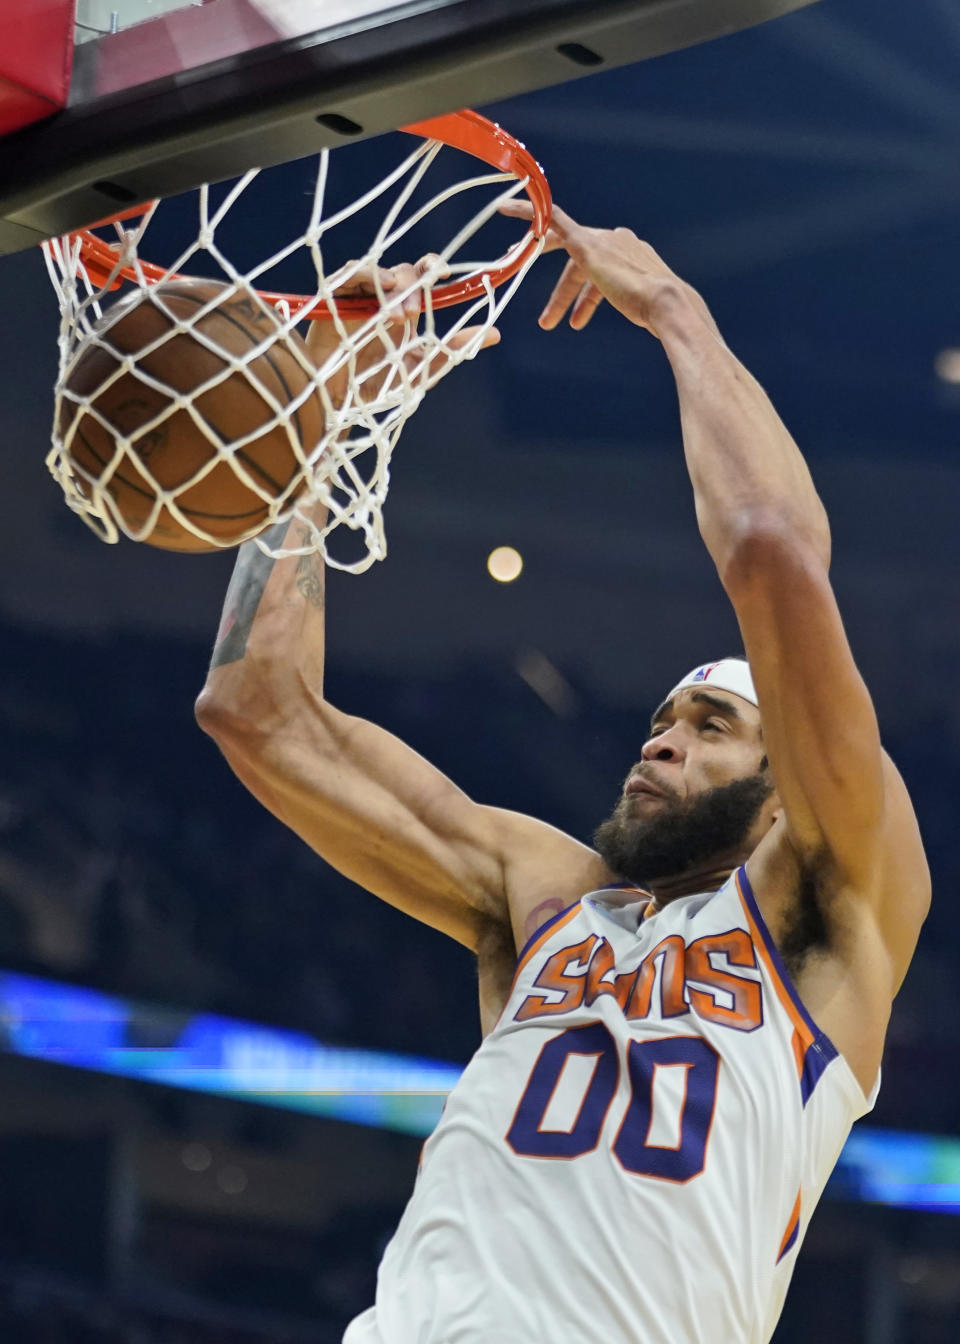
638, 784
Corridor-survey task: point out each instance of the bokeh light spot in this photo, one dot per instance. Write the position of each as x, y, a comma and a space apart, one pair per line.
504, 564
947, 366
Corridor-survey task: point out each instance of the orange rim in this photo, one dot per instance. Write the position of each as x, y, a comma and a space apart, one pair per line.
465, 130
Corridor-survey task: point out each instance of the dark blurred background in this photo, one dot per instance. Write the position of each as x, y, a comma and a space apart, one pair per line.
806, 177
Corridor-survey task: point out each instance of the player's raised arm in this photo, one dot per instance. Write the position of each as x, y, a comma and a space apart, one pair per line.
847, 814
367, 803
355, 794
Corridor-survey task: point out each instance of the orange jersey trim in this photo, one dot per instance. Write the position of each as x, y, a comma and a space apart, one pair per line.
813, 1051
803, 1036
792, 1228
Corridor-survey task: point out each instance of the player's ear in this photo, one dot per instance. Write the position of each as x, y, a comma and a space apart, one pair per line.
772, 805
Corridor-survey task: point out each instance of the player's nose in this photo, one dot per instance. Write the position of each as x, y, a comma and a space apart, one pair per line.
666, 746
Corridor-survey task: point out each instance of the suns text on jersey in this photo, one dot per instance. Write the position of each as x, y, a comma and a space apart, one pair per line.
689, 981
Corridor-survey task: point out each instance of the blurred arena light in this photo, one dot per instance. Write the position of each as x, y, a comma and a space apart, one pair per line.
505, 564
947, 365
196, 1157
546, 680
232, 1180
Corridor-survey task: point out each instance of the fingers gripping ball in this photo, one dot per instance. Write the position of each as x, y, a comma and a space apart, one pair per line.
129, 435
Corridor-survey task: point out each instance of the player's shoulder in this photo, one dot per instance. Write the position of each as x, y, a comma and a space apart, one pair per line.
544, 870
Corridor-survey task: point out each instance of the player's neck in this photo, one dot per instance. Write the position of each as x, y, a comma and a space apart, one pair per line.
709, 877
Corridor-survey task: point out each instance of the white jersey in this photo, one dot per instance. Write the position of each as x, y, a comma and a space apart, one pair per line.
634, 1152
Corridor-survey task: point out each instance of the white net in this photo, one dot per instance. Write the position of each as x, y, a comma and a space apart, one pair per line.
172, 428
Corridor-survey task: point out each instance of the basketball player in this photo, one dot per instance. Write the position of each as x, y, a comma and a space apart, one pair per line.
697, 1014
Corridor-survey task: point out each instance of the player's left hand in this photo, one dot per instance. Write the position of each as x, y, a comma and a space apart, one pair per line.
611, 264
403, 288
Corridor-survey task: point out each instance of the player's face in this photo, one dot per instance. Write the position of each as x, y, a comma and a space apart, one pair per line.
697, 792
699, 739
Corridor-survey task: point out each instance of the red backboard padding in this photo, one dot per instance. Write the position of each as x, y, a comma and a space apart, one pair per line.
36, 53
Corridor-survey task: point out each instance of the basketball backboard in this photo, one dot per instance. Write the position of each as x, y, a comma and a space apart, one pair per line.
166, 94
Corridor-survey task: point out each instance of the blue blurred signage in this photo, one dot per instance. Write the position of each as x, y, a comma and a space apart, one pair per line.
66, 1024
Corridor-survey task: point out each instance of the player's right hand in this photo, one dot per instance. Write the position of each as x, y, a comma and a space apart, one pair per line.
402, 288
611, 264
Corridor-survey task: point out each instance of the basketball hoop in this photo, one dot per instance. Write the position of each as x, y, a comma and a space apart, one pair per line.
348, 468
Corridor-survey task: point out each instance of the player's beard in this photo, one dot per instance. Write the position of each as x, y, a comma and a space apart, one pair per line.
683, 834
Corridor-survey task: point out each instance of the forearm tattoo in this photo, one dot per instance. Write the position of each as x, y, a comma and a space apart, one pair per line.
310, 577
250, 576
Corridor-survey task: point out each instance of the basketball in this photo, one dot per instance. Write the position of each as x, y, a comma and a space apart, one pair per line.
219, 502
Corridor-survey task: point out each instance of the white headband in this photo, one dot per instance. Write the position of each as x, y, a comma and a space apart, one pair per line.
730, 674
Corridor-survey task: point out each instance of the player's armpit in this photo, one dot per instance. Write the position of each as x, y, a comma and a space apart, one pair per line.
496, 963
